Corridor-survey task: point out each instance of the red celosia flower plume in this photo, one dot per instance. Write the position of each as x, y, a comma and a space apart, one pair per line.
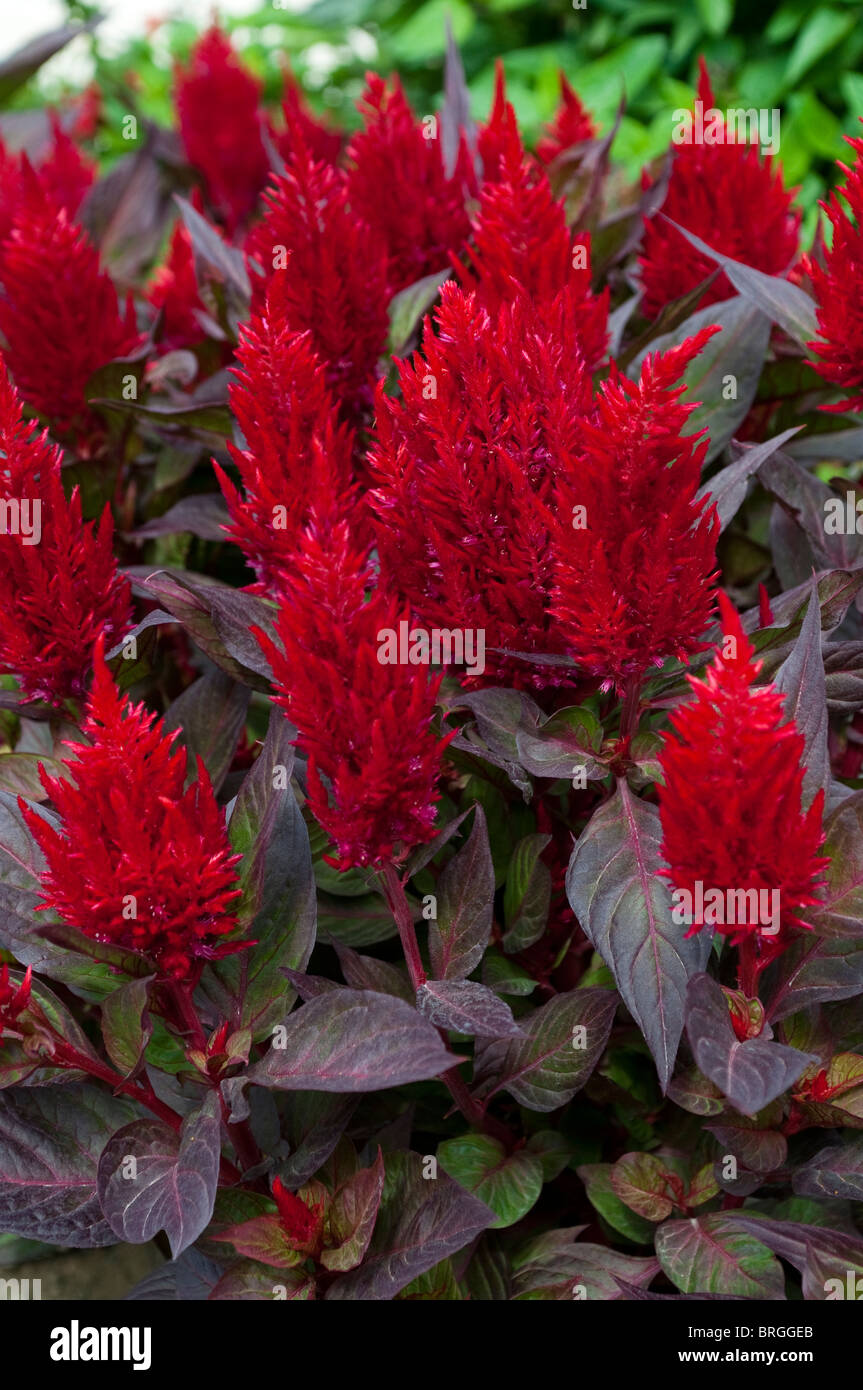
500, 134
59, 586
59, 315
571, 125
138, 861
366, 726
320, 140
838, 286
174, 290
397, 184
296, 450
217, 107
303, 1225
521, 243
731, 806
63, 175
731, 198
335, 275
634, 552
489, 412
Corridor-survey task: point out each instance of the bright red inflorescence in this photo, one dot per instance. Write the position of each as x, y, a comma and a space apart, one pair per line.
398, 185
521, 244
59, 327
335, 275
59, 586
732, 199
365, 725
138, 861
838, 286
466, 460
14, 999
731, 806
571, 126
323, 143
174, 289
296, 449
63, 175
302, 1225
217, 107
634, 551
500, 133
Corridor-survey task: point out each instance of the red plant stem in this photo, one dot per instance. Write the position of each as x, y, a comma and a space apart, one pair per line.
184, 1015
141, 1091
631, 706
472, 1109
747, 967
400, 908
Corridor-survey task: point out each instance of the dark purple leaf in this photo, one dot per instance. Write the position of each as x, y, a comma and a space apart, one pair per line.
555, 1267
421, 1222
750, 1074
840, 914
352, 1217
465, 890
625, 909
562, 1043
801, 680
814, 972
153, 1179
251, 1282
50, 1141
364, 972
211, 716
836, 1171
203, 515
126, 1025
352, 1040
466, 1007
716, 1254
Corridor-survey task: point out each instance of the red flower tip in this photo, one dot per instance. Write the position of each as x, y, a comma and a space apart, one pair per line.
139, 860
634, 550
838, 291
731, 198
217, 106
14, 999
731, 804
571, 125
302, 1225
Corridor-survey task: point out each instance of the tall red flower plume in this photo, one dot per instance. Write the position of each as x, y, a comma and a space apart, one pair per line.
137, 861
59, 314
839, 290
335, 274
521, 243
174, 289
63, 175
500, 134
398, 185
365, 725
59, 586
731, 805
323, 143
466, 459
571, 125
217, 106
634, 552
296, 450
731, 198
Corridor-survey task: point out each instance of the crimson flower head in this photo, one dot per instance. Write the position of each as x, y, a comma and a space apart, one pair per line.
320, 140
521, 243
139, 860
731, 805
334, 270
571, 125
500, 134
59, 586
398, 185
466, 459
63, 174
13, 998
634, 551
729, 197
303, 1225
839, 292
59, 315
174, 290
296, 449
365, 724
217, 106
